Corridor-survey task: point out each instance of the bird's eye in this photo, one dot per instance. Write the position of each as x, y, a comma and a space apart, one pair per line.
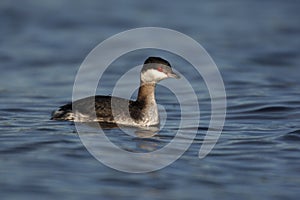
160, 69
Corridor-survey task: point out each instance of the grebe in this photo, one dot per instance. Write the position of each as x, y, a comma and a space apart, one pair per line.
108, 109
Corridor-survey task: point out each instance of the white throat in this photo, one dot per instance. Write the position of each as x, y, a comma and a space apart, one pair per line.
152, 76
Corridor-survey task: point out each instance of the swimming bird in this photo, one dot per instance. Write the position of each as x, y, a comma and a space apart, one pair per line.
108, 109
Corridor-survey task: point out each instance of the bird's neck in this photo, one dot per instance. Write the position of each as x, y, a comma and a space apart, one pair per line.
146, 93
148, 112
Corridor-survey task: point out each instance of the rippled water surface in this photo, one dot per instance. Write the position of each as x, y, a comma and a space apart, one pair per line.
255, 45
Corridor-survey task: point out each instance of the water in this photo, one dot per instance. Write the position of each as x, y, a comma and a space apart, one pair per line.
256, 47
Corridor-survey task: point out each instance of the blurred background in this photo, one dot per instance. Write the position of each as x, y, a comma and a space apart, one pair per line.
255, 45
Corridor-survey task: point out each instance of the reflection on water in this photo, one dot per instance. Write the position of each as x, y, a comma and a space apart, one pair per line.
256, 47
139, 135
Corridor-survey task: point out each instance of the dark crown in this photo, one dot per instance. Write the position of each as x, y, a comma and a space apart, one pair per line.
157, 60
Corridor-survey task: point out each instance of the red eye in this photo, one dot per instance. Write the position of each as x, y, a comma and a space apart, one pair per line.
160, 69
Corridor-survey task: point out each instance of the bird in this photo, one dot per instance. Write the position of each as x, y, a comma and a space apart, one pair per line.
142, 112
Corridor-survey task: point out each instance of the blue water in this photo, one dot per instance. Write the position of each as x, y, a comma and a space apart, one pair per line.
255, 45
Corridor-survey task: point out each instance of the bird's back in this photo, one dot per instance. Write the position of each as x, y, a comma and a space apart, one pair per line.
96, 108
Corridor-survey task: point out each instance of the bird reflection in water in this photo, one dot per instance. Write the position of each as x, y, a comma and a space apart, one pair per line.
146, 139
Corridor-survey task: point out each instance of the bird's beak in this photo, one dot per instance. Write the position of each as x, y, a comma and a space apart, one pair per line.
173, 75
